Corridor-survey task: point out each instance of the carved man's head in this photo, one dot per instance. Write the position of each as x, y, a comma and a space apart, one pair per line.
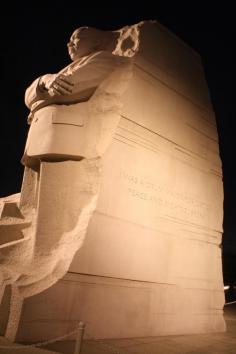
87, 40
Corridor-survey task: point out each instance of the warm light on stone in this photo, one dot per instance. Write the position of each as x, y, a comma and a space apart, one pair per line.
127, 165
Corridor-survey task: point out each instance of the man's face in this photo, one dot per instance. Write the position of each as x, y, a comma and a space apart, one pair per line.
82, 43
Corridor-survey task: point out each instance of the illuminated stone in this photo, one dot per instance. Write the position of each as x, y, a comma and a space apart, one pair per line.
151, 259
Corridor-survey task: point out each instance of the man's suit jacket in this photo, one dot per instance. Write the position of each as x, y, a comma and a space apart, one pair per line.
71, 125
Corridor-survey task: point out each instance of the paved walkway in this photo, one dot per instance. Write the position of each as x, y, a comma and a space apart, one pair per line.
220, 343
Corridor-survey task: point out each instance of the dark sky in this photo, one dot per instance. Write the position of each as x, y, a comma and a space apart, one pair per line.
34, 41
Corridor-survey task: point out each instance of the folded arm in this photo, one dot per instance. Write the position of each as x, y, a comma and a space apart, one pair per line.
71, 83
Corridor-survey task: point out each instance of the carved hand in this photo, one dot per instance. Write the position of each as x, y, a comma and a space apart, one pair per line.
61, 85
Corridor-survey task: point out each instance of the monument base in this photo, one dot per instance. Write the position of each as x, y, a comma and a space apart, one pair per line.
119, 308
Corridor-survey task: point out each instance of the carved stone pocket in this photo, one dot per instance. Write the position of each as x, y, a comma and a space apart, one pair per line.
70, 115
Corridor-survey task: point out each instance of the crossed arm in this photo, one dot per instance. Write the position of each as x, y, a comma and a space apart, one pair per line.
73, 84
56, 85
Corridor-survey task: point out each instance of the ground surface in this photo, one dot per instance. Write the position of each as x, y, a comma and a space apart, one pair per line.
219, 343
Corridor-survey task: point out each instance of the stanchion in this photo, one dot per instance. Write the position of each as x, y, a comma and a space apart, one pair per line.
79, 338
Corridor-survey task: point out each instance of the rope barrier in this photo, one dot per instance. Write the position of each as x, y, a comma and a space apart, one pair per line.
40, 344
229, 303
79, 331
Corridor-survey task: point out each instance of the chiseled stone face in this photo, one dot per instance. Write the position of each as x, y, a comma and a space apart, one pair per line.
151, 259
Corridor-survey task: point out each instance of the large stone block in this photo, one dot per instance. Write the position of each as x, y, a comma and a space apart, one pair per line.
151, 260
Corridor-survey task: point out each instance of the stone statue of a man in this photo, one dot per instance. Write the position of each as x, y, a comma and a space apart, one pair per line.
58, 119
73, 115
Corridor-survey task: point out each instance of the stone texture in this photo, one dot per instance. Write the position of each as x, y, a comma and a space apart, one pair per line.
73, 116
151, 259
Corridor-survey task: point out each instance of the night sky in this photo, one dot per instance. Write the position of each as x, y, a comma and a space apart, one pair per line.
34, 41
